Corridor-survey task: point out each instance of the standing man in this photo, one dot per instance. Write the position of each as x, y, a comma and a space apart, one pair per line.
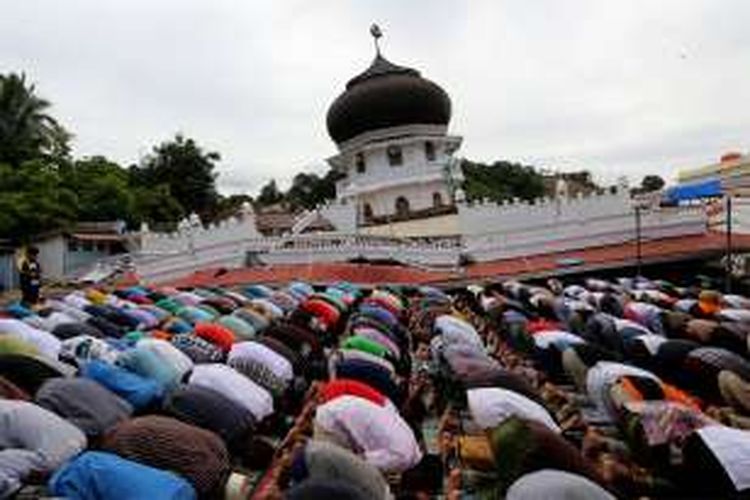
31, 277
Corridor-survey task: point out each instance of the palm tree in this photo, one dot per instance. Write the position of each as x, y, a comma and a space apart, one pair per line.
26, 130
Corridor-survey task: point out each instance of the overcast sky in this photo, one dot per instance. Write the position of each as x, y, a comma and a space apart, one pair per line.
627, 87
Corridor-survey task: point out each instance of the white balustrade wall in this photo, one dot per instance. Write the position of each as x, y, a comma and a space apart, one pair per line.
740, 215
490, 217
191, 235
165, 267
490, 232
493, 231
345, 247
165, 256
342, 217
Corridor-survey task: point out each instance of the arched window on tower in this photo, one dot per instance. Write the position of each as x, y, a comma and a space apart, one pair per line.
367, 211
395, 156
402, 207
437, 200
429, 150
359, 161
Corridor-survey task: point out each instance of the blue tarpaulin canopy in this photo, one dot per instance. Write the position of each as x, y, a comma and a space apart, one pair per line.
693, 191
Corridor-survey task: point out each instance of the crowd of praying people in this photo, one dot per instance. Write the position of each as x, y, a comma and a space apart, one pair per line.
596, 389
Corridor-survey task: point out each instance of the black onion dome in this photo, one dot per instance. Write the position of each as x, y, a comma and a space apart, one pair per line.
386, 95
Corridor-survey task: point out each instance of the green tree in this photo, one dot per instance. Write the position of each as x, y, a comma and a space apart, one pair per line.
651, 183
501, 181
155, 206
101, 187
33, 200
308, 190
188, 171
270, 194
27, 131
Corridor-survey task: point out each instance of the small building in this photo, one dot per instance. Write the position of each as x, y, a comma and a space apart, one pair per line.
63, 253
8, 271
732, 167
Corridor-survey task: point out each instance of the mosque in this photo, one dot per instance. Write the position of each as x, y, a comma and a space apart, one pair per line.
399, 200
395, 154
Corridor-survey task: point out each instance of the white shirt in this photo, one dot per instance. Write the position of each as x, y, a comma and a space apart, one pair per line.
578, 305
550, 483
684, 305
621, 324
35, 322
731, 447
736, 301
464, 351
278, 364
45, 342
604, 374
562, 338
741, 315
455, 330
488, 303
189, 298
575, 291
385, 439
491, 406
49, 322
76, 300
235, 386
644, 310
71, 311
33, 439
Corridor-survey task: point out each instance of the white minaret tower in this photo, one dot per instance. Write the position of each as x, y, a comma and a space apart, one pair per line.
395, 156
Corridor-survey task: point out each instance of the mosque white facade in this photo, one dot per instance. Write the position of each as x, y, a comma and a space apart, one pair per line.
396, 158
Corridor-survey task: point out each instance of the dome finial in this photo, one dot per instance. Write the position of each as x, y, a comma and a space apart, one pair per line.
376, 34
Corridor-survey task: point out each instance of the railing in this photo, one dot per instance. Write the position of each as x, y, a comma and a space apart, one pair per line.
342, 248
304, 220
594, 232
540, 237
717, 215
297, 249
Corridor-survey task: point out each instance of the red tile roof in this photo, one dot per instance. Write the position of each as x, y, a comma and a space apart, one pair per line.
667, 249
316, 273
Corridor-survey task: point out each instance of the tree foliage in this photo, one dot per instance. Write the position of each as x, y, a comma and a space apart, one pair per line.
33, 200
42, 188
501, 181
188, 171
101, 187
308, 190
270, 194
156, 206
27, 131
651, 183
